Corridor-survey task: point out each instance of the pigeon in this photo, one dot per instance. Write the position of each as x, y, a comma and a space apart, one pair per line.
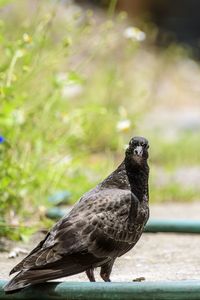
103, 225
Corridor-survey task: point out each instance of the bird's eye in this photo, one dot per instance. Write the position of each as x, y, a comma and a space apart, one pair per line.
145, 145
134, 143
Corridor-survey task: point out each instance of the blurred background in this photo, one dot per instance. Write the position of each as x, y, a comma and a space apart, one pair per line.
78, 79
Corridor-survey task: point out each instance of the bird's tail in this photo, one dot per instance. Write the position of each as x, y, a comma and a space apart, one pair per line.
69, 265
29, 277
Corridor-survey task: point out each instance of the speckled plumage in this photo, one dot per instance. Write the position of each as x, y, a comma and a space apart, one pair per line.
105, 223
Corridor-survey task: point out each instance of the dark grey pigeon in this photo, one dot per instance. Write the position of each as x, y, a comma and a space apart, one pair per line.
104, 224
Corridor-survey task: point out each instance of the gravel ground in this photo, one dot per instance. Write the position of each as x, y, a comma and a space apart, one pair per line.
155, 257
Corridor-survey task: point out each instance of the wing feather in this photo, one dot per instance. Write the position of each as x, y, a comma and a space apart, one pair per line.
97, 225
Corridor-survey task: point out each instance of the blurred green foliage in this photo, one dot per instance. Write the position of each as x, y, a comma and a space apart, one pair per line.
56, 109
71, 97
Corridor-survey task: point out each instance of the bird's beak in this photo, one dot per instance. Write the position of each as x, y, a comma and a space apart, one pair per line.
138, 151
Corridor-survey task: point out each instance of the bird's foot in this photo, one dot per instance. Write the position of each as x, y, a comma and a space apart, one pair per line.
105, 277
90, 274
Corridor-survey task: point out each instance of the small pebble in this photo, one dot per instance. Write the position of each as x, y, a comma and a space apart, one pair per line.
16, 251
139, 279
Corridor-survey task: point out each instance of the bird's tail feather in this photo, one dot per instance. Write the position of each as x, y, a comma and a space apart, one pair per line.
34, 276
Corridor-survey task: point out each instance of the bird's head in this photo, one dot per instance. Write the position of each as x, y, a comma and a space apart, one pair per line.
137, 151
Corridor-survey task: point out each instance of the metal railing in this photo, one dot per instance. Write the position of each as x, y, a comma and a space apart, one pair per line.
163, 290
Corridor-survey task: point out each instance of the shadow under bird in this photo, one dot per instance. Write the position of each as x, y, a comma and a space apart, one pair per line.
104, 224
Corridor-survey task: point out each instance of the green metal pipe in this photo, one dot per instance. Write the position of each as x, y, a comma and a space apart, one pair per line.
55, 213
165, 290
154, 225
173, 225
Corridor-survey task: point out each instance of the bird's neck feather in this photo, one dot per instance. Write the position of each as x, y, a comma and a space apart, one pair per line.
138, 176
132, 177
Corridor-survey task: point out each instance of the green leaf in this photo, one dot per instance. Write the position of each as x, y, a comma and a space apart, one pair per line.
5, 2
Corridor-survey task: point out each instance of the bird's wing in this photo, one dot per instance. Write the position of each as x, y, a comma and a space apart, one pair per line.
63, 239
115, 221
98, 229
95, 224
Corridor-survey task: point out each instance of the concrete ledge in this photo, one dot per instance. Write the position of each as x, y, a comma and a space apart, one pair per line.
163, 290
